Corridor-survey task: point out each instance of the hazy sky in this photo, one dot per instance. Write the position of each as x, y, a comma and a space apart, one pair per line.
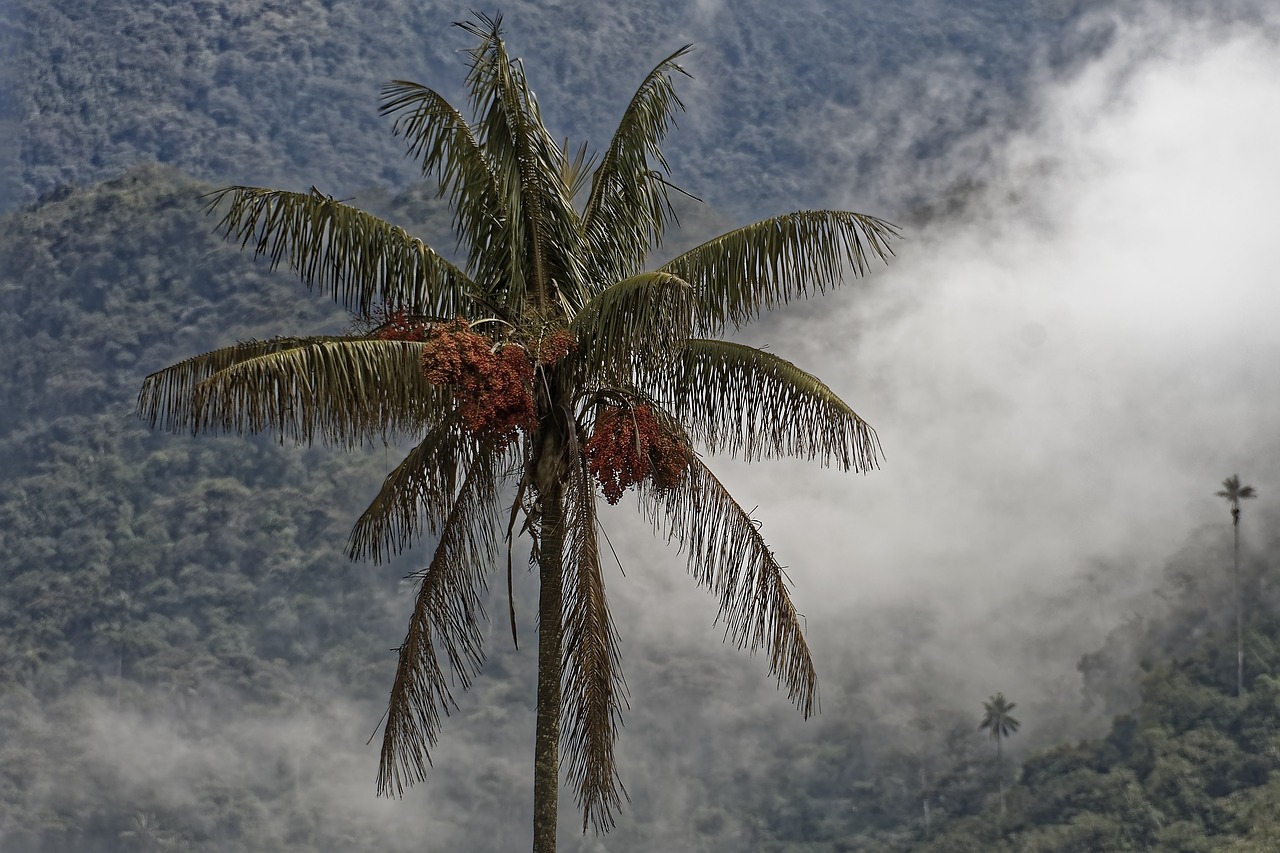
1060, 377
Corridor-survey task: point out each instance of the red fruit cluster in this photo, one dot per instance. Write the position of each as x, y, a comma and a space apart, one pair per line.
555, 345
398, 326
493, 388
628, 445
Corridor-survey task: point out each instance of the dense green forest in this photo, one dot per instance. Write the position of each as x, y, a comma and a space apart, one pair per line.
279, 93
189, 662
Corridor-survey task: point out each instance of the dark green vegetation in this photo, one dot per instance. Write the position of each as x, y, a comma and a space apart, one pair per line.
1192, 769
149, 580
280, 94
187, 656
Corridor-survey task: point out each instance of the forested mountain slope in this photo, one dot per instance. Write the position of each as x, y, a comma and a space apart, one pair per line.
162, 593
280, 93
1192, 769
188, 660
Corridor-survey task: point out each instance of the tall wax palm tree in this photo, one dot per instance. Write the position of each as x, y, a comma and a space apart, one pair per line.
999, 723
1233, 492
546, 369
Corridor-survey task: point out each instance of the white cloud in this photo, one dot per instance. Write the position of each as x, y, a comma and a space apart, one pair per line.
1061, 377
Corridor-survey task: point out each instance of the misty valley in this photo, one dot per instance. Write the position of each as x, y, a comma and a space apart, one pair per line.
381, 473
189, 660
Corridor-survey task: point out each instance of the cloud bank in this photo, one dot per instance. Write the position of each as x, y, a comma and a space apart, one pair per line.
1062, 374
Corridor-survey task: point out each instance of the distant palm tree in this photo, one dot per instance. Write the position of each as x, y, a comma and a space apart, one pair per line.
999, 724
1234, 493
146, 832
926, 789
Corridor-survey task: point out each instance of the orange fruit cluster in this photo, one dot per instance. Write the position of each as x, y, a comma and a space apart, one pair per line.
629, 444
398, 326
493, 387
555, 345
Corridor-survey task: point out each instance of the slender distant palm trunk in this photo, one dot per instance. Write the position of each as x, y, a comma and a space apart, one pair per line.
1000, 774
546, 760
924, 788
1239, 613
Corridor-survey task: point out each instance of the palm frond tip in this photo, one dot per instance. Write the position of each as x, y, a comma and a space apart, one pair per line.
727, 554
769, 263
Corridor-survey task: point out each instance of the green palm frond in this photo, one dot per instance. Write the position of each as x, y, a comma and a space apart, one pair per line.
360, 260
593, 687
744, 401
752, 269
577, 169
444, 142
444, 628
629, 207
421, 487
165, 398
542, 259
344, 391
728, 555
643, 319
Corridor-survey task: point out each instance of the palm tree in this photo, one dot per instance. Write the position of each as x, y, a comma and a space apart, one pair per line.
147, 832
999, 723
545, 369
1234, 493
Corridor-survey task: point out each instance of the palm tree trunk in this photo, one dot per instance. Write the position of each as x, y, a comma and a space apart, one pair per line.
546, 759
1239, 614
924, 796
1000, 774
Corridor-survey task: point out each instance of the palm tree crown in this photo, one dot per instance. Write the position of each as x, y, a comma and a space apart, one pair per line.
997, 720
544, 369
1233, 492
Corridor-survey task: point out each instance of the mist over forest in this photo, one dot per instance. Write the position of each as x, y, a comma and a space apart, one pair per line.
1072, 348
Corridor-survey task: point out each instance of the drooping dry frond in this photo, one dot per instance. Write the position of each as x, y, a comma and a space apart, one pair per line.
629, 207
593, 688
359, 259
440, 137
342, 390
643, 319
750, 403
728, 555
752, 269
542, 241
421, 487
444, 631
